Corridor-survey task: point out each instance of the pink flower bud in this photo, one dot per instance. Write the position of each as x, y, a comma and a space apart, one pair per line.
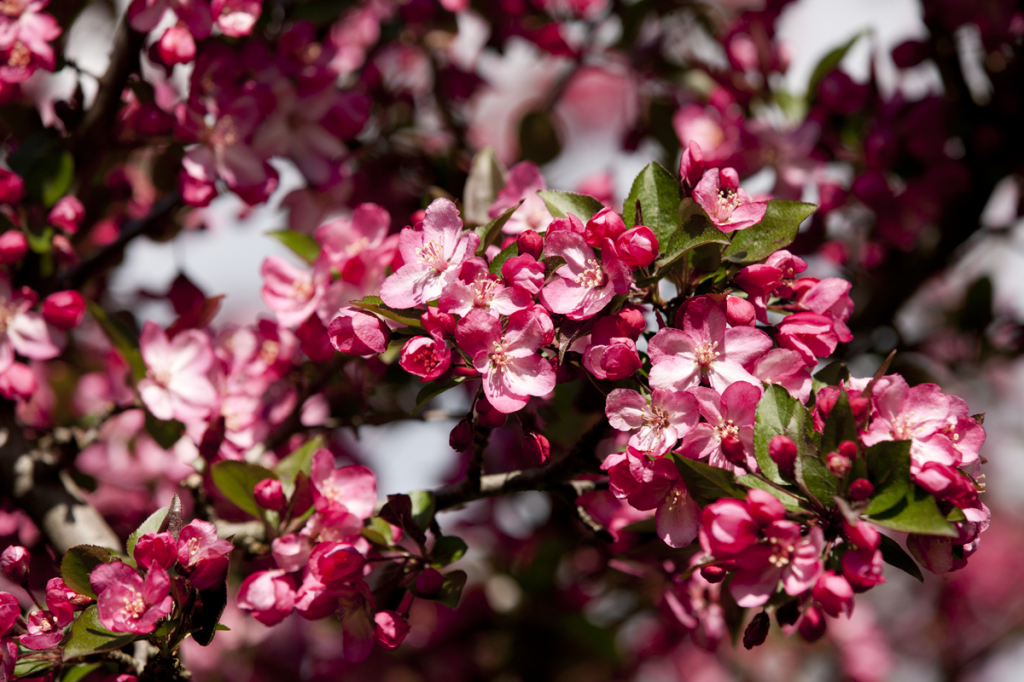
947, 484
606, 224
537, 449
314, 340
269, 494
863, 535
291, 552
64, 309
936, 553
524, 272
713, 574
860, 406
838, 465
13, 247
734, 451
63, 250
429, 582
390, 629
14, 563
860, 490
630, 321
335, 563
269, 595
12, 187
437, 324
863, 568
764, 507
638, 247
834, 594
357, 333
848, 449
739, 311
176, 45
812, 625
757, 631
691, 166
19, 381
461, 436
156, 549
530, 243
487, 416
782, 450
67, 214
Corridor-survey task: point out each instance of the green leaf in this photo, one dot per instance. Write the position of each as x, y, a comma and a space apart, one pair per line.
447, 550
76, 673
375, 305
499, 260
490, 232
916, 513
32, 667
894, 555
818, 480
484, 182
236, 481
707, 483
57, 184
790, 501
779, 413
833, 373
379, 532
552, 263
828, 63
207, 613
777, 231
451, 590
839, 426
305, 247
422, 507
432, 390
40, 242
150, 525
89, 637
300, 459
696, 231
124, 340
658, 193
889, 472
165, 432
956, 514
79, 562
561, 204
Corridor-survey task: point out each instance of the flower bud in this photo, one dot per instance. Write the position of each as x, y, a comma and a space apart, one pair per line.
848, 449
812, 625
437, 324
638, 247
764, 508
863, 535
176, 45
63, 250
523, 272
269, 494
860, 406
314, 340
713, 574
788, 613
461, 436
838, 465
739, 311
782, 450
67, 214
156, 549
733, 450
12, 187
834, 594
13, 247
860, 490
390, 629
537, 449
757, 631
357, 333
630, 321
487, 416
606, 224
291, 552
429, 582
691, 166
64, 309
14, 563
530, 243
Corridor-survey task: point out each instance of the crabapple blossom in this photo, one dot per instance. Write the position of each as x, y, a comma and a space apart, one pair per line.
475, 288
637, 247
176, 385
730, 422
523, 181
350, 490
657, 424
787, 556
611, 354
524, 273
359, 333
726, 203
269, 595
13, 247
14, 563
156, 549
584, 285
126, 602
787, 369
67, 214
292, 293
64, 309
201, 555
425, 357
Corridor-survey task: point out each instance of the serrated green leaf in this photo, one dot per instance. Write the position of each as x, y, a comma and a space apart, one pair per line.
956, 515
490, 232
696, 231
150, 525
828, 63
300, 459
658, 193
779, 413
236, 481
78, 563
77, 672
817, 479
40, 242
706, 483
451, 590
305, 247
790, 501
561, 204
839, 426
777, 231
375, 305
432, 390
32, 667
889, 472
447, 550
499, 260
916, 513
422, 507
894, 555
88, 636
485, 180
166, 432
57, 184
126, 343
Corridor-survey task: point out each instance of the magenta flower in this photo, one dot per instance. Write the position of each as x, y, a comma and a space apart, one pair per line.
704, 350
477, 289
46, 628
584, 285
176, 385
156, 549
10, 609
202, 555
787, 369
351, 490
726, 203
786, 556
20, 329
433, 257
730, 424
334, 564
809, 334
508, 360
292, 293
25, 35
126, 603
269, 595
656, 424
522, 183
425, 357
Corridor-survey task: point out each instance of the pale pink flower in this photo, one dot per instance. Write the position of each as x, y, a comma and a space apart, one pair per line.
349, 490
508, 360
830, 297
726, 203
730, 418
46, 628
433, 257
25, 35
235, 18
787, 369
176, 385
522, 183
787, 556
21, 329
359, 246
584, 285
268, 595
292, 293
656, 424
127, 603
477, 289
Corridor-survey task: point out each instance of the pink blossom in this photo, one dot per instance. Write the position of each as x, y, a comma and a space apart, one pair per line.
10, 610
235, 18
25, 35
14, 564
144, 15
862, 567
291, 552
726, 203
584, 286
46, 628
522, 183
508, 360
156, 549
433, 257
390, 629
292, 293
176, 45
13, 247
357, 332
830, 297
656, 424
269, 595
606, 225
176, 384
67, 214
637, 247
834, 594
947, 484
351, 490
269, 494
426, 357
64, 309
691, 165
809, 334
730, 423
202, 556
334, 564
524, 272
728, 529
787, 556
476, 288
610, 354
787, 369
359, 247
704, 350
127, 603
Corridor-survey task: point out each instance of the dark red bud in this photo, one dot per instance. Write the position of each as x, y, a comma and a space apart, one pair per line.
13, 247
487, 416
14, 563
812, 627
12, 187
713, 574
269, 494
860, 490
848, 449
733, 450
537, 449
429, 581
64, 309
530, 243
782, 450
788, 613
757, 631
461, 436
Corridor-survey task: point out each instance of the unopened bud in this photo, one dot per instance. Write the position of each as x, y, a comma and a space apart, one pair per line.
860, 490
530, 243
812, 626
12, 187
733, 450
782, 450
757, 631
838, 465
14, 563
390, 629
269, 494
13, 247
713, 574
739, 312
176, 45
537, 449
860, 408
848, 449
63, 250
67, 214
437, 324
461, 436
788, 613
64, 309
487, 416
429, 582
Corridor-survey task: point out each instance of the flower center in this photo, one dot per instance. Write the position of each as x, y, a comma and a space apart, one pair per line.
20, 56
781, 551
426, 358
500, 357
904, 428
726, 428
592, 276
303, 288
655, 417
484, 292
134, 606
432, 254
706, 354
269, 352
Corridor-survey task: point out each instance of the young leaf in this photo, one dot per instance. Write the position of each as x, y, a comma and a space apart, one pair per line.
78, 672
150, 525
490, 232
485, 180
561, 204
57, 184
889, 471
304, 246
166, 432
499, 260
236, 481
779, 413
378, 531
300, 459
88, 636
777, 231
894, 555
658, 193
696, 231
375, 305
447, 550
432, 390
79, 562
451, 590
916, 513
126, 342
828, 63
816, 479
422, 507
399, 512
707, 483
839, 426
